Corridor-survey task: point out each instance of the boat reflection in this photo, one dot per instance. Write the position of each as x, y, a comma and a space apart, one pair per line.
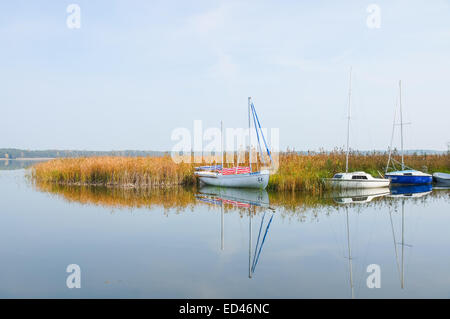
238, 197
355, 196
250, 200
350, 196
411, 191
401, 264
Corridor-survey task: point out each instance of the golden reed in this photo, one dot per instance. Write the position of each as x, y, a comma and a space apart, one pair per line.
296, 172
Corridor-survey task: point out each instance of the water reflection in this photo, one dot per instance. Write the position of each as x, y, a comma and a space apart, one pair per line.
249, 199
15, 164
359, 195
177, 198
411, 191
234, 196
346, 197
230, 242
288, 204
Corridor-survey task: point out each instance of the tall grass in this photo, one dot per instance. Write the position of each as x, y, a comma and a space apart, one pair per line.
295, 173
306, 172
114, 171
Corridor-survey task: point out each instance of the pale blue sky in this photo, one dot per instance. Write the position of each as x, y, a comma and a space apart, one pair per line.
136, 70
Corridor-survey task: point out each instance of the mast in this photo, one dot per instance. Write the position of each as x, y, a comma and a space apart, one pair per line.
221, 140
250, 136
348, 119
401, 120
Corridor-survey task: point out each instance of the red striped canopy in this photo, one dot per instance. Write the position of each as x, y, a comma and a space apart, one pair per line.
235, 170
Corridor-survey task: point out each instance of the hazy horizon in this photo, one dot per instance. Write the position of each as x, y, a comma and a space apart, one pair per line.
135, 71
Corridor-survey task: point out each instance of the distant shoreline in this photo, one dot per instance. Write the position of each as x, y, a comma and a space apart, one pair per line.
28, 159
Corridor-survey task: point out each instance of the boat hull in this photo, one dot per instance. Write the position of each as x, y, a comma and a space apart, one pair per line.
442, 178
253, 180
409, 179
357, 184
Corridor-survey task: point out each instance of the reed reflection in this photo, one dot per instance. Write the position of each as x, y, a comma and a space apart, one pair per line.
287, 204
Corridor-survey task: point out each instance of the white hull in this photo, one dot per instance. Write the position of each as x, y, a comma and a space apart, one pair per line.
348, 183
442, 178
252, 180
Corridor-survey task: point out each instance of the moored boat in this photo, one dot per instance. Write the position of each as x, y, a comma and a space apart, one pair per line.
404, 176
349, 180
245, 180
357, 180
442, 178
239, 176
409, 177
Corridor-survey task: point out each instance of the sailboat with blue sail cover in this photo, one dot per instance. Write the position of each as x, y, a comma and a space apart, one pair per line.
407, 175
240, 176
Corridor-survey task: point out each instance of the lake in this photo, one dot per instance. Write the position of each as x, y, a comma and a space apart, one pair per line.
222, 243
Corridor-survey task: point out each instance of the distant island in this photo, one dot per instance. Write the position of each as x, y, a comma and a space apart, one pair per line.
14, 153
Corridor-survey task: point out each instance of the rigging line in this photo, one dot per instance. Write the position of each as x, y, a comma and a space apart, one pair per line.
404, 166
392, 140
395, 243
262, 134
257, 241
262, 243
257, 136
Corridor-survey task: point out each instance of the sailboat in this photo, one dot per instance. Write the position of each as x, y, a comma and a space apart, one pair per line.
354, 179
405, 176
239, 176
442, 179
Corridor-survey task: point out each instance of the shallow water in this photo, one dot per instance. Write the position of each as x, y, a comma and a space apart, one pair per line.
183, 243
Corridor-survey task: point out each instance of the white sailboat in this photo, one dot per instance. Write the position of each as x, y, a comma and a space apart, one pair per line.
239, 176
354, 179
405, 176
442, 179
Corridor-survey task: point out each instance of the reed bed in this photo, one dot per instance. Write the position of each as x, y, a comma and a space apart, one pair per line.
296, 172
306, 172
114, 171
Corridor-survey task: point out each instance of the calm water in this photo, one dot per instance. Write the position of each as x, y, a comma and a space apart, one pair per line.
195, 244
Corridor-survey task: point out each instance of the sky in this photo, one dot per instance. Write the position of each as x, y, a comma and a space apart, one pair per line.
135, 71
